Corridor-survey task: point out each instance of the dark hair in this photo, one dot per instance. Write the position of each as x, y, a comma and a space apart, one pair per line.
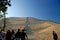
23, 30
8, 31
18, 30
13, 32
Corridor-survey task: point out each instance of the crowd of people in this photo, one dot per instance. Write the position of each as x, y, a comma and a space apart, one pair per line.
12, 35
19, 35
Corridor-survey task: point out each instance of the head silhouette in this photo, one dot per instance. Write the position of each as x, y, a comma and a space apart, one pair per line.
54, 32
18, 30
12, 31
8, 31
23, 30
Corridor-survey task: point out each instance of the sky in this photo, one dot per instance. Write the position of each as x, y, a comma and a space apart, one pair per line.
41, 9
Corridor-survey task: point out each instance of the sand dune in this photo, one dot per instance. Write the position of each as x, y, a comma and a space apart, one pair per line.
41, 29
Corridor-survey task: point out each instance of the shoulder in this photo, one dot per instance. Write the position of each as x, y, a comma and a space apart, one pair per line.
24, 33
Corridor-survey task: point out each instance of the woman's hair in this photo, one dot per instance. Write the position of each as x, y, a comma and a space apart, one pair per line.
8, 31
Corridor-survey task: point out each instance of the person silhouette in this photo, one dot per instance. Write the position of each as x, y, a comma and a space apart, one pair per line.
18, 35
1, 34
23, 35
55, 37
13, 35
8, 35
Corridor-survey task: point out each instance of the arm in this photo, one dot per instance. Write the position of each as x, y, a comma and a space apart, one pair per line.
26, 37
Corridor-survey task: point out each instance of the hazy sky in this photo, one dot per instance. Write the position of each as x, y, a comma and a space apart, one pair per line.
42, 9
